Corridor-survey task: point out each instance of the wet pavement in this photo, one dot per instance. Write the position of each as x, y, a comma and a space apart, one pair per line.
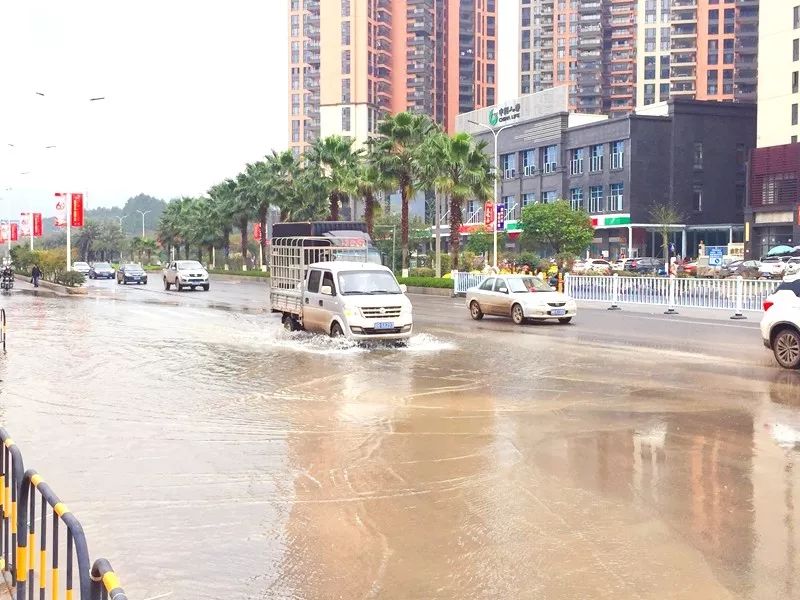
209, 454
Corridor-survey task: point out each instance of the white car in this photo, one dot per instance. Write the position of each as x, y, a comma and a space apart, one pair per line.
792, 266
185, 273
780, 325
82, 268
772, 267
595, 266
521, 297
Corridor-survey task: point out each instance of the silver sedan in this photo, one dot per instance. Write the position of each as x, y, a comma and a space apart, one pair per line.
521, 297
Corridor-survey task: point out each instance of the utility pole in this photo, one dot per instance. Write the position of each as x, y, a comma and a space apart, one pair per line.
143, 214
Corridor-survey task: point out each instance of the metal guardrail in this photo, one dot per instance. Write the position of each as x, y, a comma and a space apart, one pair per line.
19, 516
737, 295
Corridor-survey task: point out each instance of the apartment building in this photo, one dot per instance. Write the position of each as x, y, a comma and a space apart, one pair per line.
614, 55
353, 61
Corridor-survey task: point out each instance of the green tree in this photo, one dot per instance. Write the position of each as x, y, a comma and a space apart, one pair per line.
387, 236
462, 171
557, 225
86, 239
663, 215
245, 205
337, 163
480, 242
222, 201
372, 180
110, 243
398, 150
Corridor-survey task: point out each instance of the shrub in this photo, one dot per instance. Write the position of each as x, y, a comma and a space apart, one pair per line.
422, 272
431, 282
70, 278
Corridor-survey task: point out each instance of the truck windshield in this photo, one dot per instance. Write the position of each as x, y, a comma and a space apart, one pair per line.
355, 283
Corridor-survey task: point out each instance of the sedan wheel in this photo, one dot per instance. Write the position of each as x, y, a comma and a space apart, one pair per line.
787, 348
517, 314
475, 310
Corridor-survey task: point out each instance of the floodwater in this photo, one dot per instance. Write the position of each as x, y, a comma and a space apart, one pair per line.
209, 454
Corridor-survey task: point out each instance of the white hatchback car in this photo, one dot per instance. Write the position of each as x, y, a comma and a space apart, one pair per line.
780, 325
520, 297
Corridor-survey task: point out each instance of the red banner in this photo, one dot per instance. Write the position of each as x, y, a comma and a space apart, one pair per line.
76, 220
257, 231
37, 224
488, 213
14, 232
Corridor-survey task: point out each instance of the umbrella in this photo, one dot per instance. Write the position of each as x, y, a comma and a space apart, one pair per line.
780, 250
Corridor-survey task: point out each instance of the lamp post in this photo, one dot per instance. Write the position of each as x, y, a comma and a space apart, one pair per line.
496, 134
121, 219
143, 214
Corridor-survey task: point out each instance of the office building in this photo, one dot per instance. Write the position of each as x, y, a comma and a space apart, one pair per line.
614, 55
353, 61
691, 154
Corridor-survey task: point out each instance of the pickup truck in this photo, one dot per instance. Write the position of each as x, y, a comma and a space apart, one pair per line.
332, 284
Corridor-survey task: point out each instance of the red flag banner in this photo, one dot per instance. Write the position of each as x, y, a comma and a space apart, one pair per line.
60, 219
257, 231
76, 220
14, 232
37, 224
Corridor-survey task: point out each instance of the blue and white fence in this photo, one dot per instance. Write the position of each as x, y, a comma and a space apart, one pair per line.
736, 295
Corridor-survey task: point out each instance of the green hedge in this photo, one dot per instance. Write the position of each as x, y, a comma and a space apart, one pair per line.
430, 282
256, 273
70, 278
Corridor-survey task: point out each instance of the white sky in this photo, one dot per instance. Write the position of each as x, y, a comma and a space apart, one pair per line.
194, 90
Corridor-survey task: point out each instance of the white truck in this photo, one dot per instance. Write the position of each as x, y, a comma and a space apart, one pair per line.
332, 282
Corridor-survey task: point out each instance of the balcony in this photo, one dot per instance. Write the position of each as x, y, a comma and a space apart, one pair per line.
684, 58
590, 7
683, 31
678, 4
746, 76
684, 17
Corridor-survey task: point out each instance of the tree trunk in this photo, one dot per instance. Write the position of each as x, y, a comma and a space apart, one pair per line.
211, 256
334, 199
200, 254
262, 219
455, 230
369, 212
149, 256
405, 190
186, 251
243, 229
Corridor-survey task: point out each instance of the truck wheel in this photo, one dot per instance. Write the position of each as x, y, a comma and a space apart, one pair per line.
289, 323
336, 330
166, 285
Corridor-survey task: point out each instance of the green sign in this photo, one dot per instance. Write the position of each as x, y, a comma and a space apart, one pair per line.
513, 225
505, 114
493, 118
617, 221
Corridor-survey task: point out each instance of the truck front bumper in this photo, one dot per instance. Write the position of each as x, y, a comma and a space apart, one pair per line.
401, 331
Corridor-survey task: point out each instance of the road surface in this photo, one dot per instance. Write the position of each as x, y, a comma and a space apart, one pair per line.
210, 454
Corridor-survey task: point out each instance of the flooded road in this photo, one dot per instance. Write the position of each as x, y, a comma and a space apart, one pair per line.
209, 454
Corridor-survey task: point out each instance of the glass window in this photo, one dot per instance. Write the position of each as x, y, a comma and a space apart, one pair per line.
797, 17
794, 82
615, 197
529, 162
550, 160
597, 158
617, 154
796, 50
509, 165
346, 118
500, 284
345, 33
345, 8
346, 62
698, 155
327, 279
548, 197
596, 198
576, 198
794, 114
488, 284
313, 281
697, 198
346, 90
528, 198
576, 164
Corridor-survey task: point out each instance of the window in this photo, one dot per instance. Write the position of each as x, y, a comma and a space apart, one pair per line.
794, 82
346, 118
713, 22
576, 164
663, 92
295, 104
295, 5
617, 154
727, 52
548, 197
345, 33
664, 67
576, 198
346, 62
794, 139
741, 158
550, 160
528, 198
796, 50
794, 114
295, 130
509, 164
797, 17
313, 281
346, 90
528, 162
295, 25
295, 78
327, 280
596, 198
698, 155
649, 67
488, 284
730, 24
615, 197
597, 158
697, 198
509, 203
295, 52
345, 8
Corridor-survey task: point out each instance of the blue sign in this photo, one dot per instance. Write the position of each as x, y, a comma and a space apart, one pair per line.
501, 217
715, 254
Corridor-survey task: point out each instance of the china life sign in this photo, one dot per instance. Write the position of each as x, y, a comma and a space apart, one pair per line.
505, 114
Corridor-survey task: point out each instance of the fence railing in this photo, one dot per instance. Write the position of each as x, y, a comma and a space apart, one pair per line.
27, 500
736, 295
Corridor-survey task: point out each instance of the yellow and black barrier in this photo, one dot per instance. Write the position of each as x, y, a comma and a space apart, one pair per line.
30, 509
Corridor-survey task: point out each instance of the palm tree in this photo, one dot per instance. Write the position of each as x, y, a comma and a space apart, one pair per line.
336, 162
371, 180
463, 171
87, 238
222, 201
402, 134
136, 246
244, 206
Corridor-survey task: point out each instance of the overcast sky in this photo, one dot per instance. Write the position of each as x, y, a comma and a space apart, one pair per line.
193, 91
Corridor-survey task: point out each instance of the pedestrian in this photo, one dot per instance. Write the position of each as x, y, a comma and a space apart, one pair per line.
36, 274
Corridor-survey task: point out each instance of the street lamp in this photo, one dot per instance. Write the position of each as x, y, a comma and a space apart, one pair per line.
143, 214
496, 134
121, 219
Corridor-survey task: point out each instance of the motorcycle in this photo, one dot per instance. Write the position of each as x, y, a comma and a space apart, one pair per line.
7, 280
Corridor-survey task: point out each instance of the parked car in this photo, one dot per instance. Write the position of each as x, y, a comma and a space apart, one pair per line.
521, 297
688, 268
772, 267
593, 266
644, 264
792, 266
618, 265
82, 268
131, 273
101, 270
780, 325
186, 273
741, 267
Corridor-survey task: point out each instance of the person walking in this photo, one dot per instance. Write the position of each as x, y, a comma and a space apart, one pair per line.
36, 274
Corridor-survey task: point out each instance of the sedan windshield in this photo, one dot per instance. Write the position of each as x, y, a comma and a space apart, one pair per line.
521, 285
132, 268
367, 282
102, 266
185, 265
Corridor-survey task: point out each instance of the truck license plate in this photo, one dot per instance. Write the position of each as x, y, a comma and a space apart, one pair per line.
384, 325
557, 312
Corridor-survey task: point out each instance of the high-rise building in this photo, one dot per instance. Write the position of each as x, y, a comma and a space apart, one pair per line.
617, 54
779, 67
353, 61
